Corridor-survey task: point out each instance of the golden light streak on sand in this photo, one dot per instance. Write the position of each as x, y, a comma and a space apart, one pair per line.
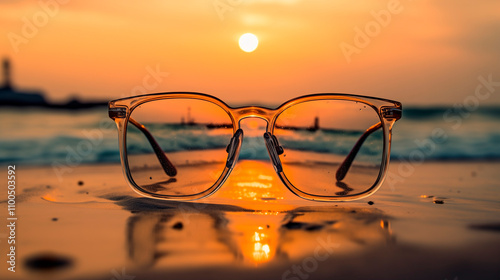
261, 251
253, 182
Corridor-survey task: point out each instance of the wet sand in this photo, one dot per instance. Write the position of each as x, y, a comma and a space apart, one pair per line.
438, 221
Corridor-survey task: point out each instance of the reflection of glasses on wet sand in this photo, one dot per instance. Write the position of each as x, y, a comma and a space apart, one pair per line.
325, 147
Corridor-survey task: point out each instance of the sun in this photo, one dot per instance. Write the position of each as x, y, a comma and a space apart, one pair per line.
248, 42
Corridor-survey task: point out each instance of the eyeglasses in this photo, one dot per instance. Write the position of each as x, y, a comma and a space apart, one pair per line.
324, 147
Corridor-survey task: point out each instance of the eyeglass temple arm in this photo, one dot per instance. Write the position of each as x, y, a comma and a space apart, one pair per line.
344, 167
167, 165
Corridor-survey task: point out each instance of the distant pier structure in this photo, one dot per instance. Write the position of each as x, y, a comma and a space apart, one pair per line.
316, 123
188, 120
315, 126
10, 96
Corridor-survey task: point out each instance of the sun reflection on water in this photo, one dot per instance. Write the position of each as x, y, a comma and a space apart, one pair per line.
250, 186
261, 250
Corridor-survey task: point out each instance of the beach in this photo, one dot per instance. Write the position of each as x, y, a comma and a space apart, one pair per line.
251, 107
439, 221
295, 99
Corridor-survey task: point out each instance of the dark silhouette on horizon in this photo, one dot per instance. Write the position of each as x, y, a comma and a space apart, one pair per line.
13, 97
312, 128
188, 120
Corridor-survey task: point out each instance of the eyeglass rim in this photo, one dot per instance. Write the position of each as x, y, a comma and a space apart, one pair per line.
121, 109
129, 101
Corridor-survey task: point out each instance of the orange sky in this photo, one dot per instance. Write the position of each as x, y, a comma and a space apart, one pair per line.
428, 52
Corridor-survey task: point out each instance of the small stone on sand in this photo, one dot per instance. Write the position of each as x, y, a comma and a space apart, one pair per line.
47, 262
178, 226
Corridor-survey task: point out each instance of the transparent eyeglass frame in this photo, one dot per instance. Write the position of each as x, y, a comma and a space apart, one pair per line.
389, 112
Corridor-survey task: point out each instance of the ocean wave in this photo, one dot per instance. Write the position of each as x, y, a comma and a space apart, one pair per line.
93, 138
253, 148
436, 113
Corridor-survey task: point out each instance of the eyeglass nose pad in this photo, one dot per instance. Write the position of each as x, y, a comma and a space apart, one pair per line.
274, 149
233, 149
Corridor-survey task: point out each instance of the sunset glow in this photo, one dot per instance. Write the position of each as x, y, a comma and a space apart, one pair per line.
248, 42
416, 52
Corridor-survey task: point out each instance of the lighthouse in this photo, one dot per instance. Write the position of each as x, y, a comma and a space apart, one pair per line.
7, 84
10, 96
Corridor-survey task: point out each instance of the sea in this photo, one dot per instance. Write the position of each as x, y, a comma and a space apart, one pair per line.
44, 137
